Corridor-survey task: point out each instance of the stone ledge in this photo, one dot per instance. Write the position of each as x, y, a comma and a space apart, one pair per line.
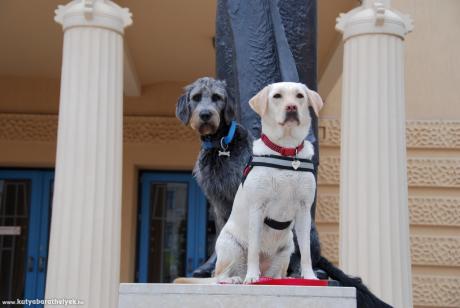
137, 295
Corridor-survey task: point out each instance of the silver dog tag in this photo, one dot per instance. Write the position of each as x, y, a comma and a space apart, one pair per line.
224, 153
295, 164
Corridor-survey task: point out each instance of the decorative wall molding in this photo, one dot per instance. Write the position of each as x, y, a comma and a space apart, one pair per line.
329, 170
435, 251
419, 134
28, 127
143, 130
425, 250
156, 130
42, 128
421, 172
435, 211
327, 208
427, 290
433, 172
329, 132
424, 211
436, 291
330, 245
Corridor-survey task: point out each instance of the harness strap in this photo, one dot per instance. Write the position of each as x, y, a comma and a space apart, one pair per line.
277, 225
277, 162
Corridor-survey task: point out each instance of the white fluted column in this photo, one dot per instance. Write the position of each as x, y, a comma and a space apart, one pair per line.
374, 224
84, 252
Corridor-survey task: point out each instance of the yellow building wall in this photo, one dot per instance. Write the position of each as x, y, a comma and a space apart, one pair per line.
433, 143
155, 140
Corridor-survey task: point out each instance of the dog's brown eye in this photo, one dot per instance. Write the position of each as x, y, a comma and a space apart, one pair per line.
196, 97
216, 97
299, 95
277, 95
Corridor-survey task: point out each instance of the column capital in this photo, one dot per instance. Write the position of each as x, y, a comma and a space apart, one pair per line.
93, 13
374, 16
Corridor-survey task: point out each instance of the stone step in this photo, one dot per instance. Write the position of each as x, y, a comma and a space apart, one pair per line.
166, 295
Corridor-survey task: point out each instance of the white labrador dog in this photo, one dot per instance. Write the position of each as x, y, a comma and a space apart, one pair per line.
257, 239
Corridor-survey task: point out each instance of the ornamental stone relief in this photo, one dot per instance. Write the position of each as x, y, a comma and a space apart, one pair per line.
424, 211
156, 130
28, 127
435, 250
428, 290
421, 172
425, 250
419, 134
37, 127
43, 128
436, 291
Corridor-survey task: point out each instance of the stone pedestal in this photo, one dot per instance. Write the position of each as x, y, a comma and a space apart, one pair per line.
374, 224
84, 252
234, 296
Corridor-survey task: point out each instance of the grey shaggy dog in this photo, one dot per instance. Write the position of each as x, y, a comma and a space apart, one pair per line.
206, 107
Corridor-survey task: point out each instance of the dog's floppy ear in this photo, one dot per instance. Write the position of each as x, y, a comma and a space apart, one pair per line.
260, 101
315, 100
183, 112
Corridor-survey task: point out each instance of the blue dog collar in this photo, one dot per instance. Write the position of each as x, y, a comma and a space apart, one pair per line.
208, 144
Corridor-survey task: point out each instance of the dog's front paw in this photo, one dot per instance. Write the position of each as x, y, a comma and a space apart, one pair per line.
251, 278
308, 274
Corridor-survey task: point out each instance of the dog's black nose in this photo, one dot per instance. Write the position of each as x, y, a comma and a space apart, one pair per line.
205, 115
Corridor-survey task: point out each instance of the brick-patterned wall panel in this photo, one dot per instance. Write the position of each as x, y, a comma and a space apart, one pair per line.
156, 130
329, 170
435, 211
421, 172
419, 134
327, 208
435, 251
36, 127
433, 134
43, 128
436, 291
330, 246
424, 211
432, 291
25, 127
329, 132
433, 172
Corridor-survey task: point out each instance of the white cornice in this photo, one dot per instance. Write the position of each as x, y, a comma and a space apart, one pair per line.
93, 13
374, 16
